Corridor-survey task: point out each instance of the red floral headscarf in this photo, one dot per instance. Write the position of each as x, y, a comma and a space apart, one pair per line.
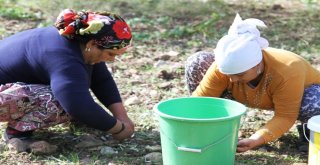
108, 30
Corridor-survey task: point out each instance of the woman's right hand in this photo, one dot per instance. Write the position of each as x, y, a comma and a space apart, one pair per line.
249, 143
120, 132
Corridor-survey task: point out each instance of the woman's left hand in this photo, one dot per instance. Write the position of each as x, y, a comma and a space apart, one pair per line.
128, 122
119, 112
125, 131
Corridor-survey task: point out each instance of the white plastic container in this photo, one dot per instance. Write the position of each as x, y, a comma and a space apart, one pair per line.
314, 143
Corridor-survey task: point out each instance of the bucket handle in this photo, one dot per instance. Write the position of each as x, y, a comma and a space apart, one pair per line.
188, 149
196, 150
304, 132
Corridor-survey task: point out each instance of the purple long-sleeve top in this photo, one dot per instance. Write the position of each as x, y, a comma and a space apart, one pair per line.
42, 56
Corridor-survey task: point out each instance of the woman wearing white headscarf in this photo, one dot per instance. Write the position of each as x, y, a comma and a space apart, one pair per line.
245, 69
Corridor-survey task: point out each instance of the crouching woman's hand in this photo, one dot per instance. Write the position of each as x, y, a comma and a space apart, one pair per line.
250, 143
121, 130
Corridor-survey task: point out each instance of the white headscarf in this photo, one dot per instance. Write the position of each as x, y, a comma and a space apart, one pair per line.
240, 49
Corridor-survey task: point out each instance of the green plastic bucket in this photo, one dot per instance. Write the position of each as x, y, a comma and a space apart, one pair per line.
199, 130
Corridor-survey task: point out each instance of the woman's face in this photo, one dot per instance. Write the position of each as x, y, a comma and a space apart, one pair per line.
246, 76
97, 55
105, 55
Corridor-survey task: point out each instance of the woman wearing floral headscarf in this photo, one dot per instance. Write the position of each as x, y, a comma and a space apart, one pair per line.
46, 75
245, 69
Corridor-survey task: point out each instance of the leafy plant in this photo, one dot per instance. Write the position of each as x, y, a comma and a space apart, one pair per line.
15, 13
